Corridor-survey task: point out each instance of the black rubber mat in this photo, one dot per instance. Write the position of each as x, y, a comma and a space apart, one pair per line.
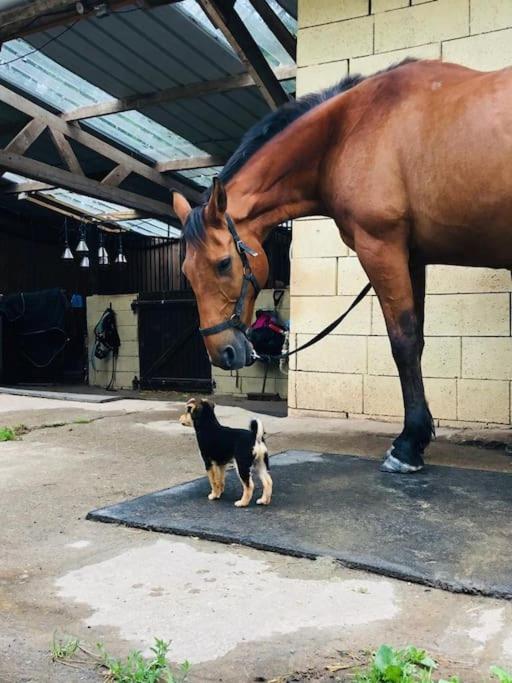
444, 527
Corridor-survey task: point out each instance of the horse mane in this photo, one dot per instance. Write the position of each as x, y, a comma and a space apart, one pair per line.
276, 121
266, 129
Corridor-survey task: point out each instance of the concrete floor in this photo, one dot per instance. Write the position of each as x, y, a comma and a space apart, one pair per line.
237, 614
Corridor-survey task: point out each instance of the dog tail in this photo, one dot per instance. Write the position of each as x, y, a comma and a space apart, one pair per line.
259, 448
256, 428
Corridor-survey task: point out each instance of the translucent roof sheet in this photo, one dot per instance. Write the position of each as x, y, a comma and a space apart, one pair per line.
34, 72
64, 90
269, 45
96, 207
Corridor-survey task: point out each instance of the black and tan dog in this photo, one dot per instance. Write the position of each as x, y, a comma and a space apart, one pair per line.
221, 445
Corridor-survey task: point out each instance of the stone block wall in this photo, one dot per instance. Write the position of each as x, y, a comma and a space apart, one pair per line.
468, 355
128, 361
250, 380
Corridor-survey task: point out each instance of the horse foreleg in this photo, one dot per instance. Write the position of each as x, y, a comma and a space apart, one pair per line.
400, 290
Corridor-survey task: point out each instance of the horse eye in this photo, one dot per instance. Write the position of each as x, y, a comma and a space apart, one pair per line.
224, 265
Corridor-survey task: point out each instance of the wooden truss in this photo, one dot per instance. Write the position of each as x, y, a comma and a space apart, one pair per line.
13, 158
40, 15
65, 128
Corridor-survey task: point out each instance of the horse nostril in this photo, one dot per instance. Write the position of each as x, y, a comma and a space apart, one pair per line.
228, 356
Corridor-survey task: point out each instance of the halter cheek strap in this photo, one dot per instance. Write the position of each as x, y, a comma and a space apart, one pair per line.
235, 321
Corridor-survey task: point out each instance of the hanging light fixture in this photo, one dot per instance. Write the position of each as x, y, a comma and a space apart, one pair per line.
121, 258
84, 263
82, 247
67, 254
102, 252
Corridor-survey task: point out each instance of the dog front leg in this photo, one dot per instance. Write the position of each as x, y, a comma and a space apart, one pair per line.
221, 478
212, 477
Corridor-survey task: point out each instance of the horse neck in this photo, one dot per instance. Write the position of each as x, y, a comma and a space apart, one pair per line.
281, 180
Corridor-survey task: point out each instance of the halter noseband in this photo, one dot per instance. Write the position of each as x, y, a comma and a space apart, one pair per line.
235, 321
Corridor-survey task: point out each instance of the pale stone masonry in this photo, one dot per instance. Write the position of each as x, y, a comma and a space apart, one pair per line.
127, 326
468, 355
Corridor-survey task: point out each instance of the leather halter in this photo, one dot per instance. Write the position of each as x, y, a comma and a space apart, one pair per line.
235, 321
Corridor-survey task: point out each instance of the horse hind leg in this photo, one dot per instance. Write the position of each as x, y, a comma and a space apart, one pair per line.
401, 296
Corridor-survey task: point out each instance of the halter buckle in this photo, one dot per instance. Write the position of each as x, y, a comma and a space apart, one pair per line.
242, 247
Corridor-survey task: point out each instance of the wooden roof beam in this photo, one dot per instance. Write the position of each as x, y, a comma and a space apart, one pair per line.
179, 92
74, 132
190, 163
274, 23
223, 16
45, 173
41, 15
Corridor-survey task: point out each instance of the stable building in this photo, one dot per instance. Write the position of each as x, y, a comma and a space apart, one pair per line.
105, 108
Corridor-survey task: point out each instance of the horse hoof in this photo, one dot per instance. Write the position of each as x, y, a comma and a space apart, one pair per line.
393, 465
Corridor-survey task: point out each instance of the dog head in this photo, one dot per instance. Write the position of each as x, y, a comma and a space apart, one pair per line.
194, 411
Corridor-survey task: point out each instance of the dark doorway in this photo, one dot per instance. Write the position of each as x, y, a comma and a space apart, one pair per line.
172, 352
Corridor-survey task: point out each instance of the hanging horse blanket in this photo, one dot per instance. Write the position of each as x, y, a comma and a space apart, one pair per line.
38, 319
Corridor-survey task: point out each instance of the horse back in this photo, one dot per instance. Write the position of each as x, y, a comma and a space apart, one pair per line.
429, 146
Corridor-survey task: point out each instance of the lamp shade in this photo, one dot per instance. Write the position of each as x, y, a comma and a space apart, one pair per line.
67, 254
81, 247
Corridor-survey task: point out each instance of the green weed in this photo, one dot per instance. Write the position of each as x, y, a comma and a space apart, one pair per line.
502, 675
410, 665
7, 434
63, 647
398, 666
12, 433
136, 669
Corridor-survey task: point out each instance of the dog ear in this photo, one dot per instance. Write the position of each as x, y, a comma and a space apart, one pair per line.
190, 404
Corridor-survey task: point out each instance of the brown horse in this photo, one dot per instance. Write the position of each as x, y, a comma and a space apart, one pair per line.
414, 164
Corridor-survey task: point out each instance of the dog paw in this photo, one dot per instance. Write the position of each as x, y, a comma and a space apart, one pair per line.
263, 501
241, 504
213, 496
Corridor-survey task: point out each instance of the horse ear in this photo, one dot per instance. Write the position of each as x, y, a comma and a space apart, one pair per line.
180, 206
218, 202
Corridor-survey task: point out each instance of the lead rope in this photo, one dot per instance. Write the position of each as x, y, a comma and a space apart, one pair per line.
318, 337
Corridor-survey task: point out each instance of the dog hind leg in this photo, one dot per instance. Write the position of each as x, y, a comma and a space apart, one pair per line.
248, 484
266, 481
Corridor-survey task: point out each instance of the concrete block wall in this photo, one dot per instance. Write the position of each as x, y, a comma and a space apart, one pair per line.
250, 380
468, 355
128, 361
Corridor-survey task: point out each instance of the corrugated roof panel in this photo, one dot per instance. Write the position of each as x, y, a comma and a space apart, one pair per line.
141, 51
59, 87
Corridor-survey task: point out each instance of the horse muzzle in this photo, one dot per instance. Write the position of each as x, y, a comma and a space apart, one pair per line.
236, 352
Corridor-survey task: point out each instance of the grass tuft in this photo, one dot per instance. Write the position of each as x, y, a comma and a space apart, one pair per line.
7, 434
410, 665
502, 675
136, 669
62, 648
13, 433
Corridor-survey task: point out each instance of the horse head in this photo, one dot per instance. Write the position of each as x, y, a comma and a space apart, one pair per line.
225, 272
